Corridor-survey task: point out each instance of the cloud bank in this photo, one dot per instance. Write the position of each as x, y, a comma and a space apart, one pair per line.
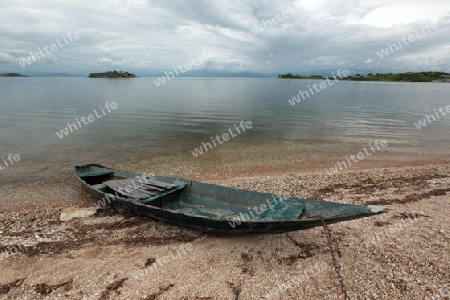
150, 37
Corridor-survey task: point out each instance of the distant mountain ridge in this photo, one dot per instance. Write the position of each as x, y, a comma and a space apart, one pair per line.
13, 75
395, 77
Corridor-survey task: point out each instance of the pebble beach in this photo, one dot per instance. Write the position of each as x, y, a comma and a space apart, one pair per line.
115, 254
338, 112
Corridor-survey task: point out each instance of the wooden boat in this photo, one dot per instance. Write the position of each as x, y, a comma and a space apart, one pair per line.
210, 207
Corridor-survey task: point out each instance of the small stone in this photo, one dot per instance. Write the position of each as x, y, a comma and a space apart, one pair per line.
77, 212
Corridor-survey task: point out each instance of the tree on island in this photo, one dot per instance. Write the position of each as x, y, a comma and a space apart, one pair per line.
13, 75
112, 74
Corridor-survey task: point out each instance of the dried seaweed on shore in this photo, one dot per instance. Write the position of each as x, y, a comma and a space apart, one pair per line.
5, 288
112, 287
410, 198
399, 253
155, 296
46, 289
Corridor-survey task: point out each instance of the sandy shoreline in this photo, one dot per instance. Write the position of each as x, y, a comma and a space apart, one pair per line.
402, 254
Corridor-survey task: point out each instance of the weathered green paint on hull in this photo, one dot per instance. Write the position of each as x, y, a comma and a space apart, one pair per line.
219, 209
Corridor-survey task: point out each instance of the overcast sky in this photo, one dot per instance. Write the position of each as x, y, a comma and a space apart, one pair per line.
150, 37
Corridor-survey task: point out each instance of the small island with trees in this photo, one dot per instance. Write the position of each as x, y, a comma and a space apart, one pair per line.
399, 77
290, 76
13, 75
112, 74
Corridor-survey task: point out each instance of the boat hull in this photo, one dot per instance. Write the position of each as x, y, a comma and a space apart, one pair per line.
218, 209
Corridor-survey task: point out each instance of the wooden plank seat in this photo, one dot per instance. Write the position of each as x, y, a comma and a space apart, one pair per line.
139, 188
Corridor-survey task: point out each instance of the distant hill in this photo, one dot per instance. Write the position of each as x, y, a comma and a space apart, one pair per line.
291, 76
112, 74
13, 75
50, 74
402, 77
399, 77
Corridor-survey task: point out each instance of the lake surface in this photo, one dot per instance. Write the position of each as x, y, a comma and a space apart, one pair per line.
168, 122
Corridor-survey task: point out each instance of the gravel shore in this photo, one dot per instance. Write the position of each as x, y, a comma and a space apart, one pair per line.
401, 254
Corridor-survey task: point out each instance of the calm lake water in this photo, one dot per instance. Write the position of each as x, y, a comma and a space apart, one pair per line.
171, 120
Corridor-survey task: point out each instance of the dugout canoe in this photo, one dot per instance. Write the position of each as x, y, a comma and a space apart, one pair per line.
210, 207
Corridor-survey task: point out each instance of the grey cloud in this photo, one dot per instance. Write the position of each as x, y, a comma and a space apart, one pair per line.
149, 37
